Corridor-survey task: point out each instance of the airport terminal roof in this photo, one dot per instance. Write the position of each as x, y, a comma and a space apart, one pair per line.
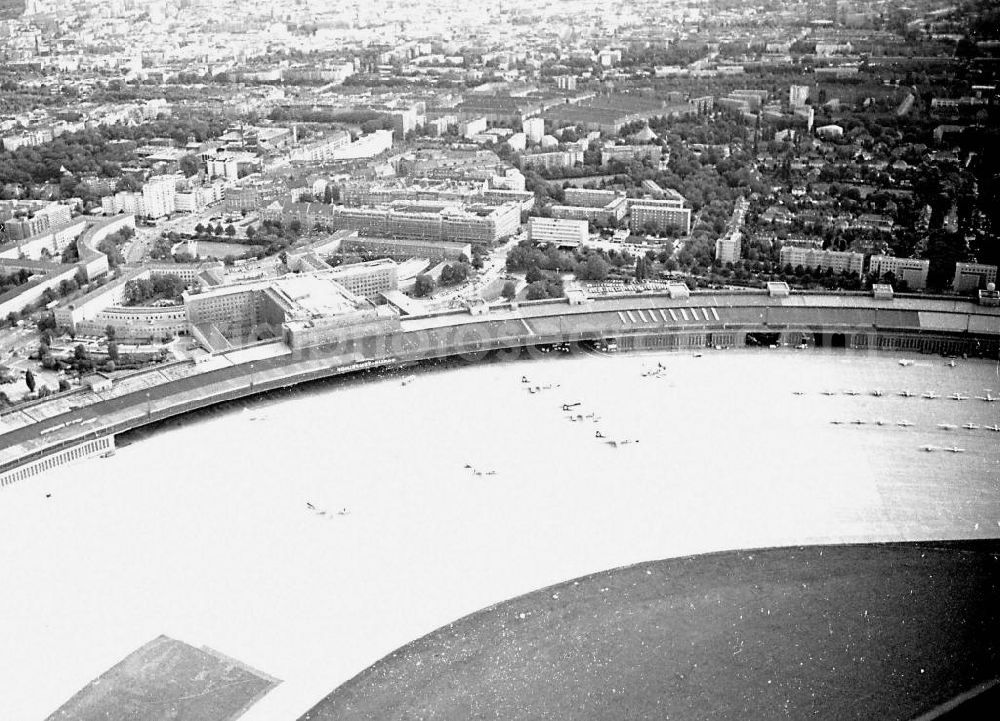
312, 296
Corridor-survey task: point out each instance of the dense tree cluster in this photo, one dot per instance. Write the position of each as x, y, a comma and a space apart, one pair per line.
97, 152
13, 280
454, 273
158, 286
81, 153
423, 286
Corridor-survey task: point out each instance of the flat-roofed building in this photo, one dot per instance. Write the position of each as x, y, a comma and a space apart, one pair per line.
365, 147
478, 223
367, 280
973, 276
628, 153
46, 217
322, 149
534, 129
401, 248
610, 214
911, 270
728, 248
586, 197
835, 260
554, 159
605, 207
558, 231
301, 309
48, 243
662, 214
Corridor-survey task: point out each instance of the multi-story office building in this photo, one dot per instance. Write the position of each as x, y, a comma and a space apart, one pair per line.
555, 159
754, 98
534, 129
838, 261
601, 216
401, 248
469, 128
480, 224
585, 197
158, 195
365, 147
601, 206
323, 149
973, 276
728, 248
912, 270
798, 95
566, 82
303, 309
367, 280
477, 223
559, 231
26, 139
663, 214
628, 153
196, 198
158, 198
47, 217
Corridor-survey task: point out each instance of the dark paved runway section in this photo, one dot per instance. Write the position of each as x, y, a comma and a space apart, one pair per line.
836, 632
168, 679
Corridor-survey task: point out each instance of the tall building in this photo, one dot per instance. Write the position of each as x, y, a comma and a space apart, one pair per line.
566, 82
728, 248
158, 195
797, 95
534, 128
471, 127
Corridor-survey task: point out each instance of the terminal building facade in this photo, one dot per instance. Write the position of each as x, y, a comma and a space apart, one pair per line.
303, 310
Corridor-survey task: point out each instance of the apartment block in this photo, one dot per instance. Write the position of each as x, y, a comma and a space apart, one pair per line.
838, 261
973, 276
728, 248
663, 214
558, 231
912, 270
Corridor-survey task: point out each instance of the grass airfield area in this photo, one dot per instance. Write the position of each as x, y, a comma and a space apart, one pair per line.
836, 632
